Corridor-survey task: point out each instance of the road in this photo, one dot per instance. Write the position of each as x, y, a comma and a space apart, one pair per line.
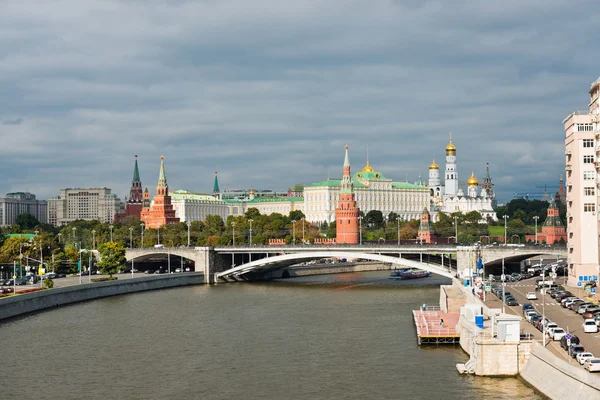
566, 319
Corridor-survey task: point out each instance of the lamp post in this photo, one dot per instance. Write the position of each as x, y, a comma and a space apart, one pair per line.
250, 221
131, 238
189, 224
74, 231
80, 265
111, 228
505, 228
294, 232
142, 242
93, 239
398, 221
233, 233
303, 219
543, 309
455, 229
360, 229
503, 279
535, 218
59, 235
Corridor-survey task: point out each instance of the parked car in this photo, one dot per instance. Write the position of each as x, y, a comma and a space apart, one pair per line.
558, 333
527, 306
21, 281
8, 282
583, 356
149, 271
511, 301
575, 303
589, 326
563, 341
590, 311
582, 307
575, 349
529, 314
549, 325
592, 364
535, 319
531, 296
569, 303
563, 295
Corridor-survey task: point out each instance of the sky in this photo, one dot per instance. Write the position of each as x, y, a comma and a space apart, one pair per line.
268, 92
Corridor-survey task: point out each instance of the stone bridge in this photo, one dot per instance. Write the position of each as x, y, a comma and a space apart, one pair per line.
224, 261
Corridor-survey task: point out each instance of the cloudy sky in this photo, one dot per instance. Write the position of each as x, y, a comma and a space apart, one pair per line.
268, 92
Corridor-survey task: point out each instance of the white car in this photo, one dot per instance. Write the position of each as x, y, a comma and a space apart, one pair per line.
530, 314
550, 325
592, 364
583, 356
589, 326
557, 333
531, 296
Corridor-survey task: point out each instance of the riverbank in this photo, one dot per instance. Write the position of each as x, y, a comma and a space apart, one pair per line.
31, 302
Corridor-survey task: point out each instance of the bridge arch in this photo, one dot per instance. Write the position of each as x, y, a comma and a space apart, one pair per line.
285, 260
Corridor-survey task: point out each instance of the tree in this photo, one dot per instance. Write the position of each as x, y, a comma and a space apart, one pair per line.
27, 221
112, 257
296, 215
392, 217
374, 219
331, 230
472, 217
252, 213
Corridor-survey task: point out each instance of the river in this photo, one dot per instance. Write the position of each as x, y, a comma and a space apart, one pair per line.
347, 336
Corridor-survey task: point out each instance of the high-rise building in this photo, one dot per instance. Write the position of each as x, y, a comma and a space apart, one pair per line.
86, 204
346, 213
161, 211
135, 203
581, 129
18, 203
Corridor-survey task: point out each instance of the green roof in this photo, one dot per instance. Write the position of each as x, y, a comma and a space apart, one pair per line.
185, 195
369, 176
406, 185
359, 185
335, 183
28, 236
266, 200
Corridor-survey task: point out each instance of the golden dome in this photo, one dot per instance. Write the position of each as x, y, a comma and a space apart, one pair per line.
368, 168
434, 165
472, 180
252, 191
451, 147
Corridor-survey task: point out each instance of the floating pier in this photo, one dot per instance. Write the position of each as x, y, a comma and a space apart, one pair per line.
431, 329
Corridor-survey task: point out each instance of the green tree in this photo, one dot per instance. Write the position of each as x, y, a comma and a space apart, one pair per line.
374, 219
392, 217
472, 217
331, 230
252, 213
27, 221
112, 257
296, 215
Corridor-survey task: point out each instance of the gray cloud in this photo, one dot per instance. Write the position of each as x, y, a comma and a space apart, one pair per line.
268, 92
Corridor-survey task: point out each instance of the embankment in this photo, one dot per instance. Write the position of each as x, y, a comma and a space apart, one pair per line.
556, 379
30, 302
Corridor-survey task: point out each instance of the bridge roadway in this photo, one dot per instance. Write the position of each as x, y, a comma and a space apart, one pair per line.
222, 261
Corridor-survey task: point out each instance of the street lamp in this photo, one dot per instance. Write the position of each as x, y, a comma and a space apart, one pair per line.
142, 242
131, 238
111, 228
398, 221
535, 218
74, 230
59, 235
189, 224
303, 219
294, 231
233, 233
250, 221
503, 279
93, 239
360, 229
455, 229
505, 228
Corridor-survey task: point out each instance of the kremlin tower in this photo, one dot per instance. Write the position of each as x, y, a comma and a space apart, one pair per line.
346, 213
134, 205
161, 212
425, 233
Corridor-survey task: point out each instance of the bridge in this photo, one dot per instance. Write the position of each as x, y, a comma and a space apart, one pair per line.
245, 262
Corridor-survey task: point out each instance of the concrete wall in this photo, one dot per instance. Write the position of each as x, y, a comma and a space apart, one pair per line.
451, 299
22, 304
326, 269
555, 378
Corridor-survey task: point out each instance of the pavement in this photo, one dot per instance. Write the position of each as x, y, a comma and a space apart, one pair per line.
569, 320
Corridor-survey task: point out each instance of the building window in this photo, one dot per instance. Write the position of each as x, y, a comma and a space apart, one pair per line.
588, 191
588, 142
584, 128
588, 159
588, 175
589, 207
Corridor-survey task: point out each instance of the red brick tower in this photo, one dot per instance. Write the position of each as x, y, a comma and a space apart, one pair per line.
346, 213
161, 212
425, 234
553, 229
134, 205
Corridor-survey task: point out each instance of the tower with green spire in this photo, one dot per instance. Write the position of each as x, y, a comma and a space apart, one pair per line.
134, 204
161, 211
346, 213
216, 191
487, 187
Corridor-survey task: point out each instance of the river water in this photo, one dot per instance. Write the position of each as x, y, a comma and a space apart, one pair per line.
326, 337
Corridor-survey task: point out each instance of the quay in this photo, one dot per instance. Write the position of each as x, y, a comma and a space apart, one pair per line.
435, 326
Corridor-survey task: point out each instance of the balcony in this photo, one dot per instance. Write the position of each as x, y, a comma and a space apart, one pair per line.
568, 152
568, 167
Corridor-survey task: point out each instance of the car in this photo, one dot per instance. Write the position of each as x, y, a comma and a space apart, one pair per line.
511, 301
591, 284
21, 281
549, 325
590, 311
563, 295
576, 349
583, 356
575, 303
569, 304
8, 282
582, 307
149, 271
592, 364
178, 270
558, 333
534, 319
589, 326
542, 323
564, 300
564, 343
531, 296
526, 307
529, 316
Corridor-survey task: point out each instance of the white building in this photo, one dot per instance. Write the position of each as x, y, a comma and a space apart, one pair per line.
373, 191
581, 157
196, 207
265, 205
18, 203
86, 204
450, 197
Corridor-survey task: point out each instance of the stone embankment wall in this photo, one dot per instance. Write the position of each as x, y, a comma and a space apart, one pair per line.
26, 303
337, 268
555, 378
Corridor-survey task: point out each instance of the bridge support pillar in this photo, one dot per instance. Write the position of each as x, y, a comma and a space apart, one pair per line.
466, 260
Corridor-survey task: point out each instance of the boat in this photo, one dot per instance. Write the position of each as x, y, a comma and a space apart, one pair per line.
409, 274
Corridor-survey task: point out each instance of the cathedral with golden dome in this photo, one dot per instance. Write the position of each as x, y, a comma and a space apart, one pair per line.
450, 197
